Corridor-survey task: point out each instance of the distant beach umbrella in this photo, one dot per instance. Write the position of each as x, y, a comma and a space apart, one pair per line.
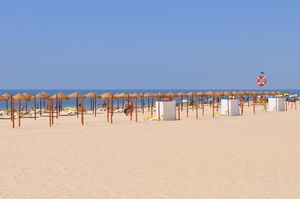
19, 97
27, 98
58, 97
77, 96
135, 96
93, 97
181, 95
7, 97
108, 98
149, 97
121, 96
201, 95
254, 95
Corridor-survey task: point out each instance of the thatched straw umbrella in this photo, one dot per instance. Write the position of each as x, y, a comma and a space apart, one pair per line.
7, 96
181, 95
78, 96
150, 106
135, 96
210, 95
201, 95
218, 95
58, 99
93, 97
19, 97
121, 96
42, 96
254, 95
27, 98
109, 98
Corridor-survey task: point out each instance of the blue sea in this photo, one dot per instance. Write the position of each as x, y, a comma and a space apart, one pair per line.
71, 102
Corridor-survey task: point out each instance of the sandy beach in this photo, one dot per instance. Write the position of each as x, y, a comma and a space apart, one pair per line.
249, 156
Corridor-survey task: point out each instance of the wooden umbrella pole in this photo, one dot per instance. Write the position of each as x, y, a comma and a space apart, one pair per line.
107, 110
151, 106
92, 105
242, 104
213, 106
19, 111
123, 100
254, 101
136, 110
218, 104
178, 110
40, 107
26, 107
130, 108
95, 105
181, 101
111, 109
187, 107
228, 110
12, 112
202, 105
158, 108
148, 103
52, 110
143, 103
56, 108
197, 110
77, 104
82, 109
50, 115
34, 107
11, 107
193, 102
118, 103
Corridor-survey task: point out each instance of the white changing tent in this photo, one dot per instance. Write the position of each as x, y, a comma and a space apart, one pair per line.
276, 104
231, 106
167, 110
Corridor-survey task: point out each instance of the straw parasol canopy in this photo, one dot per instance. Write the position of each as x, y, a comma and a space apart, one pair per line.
27, 96
90, 95
60, 96
181, 94
106, 95
161, 95
209, 93
121, 95
191, 94
200, 93
171, 94
228, 94
75, 95
219, 94
148, 94
6, 95
2, 98
47, 95
41, 95
234, 93
19, 96
135, 95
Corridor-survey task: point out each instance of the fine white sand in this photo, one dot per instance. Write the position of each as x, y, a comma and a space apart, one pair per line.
249, 156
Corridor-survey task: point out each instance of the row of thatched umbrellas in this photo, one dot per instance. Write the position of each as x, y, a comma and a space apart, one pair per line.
55, 102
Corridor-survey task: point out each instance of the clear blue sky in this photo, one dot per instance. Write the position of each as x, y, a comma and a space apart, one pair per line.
149, 44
